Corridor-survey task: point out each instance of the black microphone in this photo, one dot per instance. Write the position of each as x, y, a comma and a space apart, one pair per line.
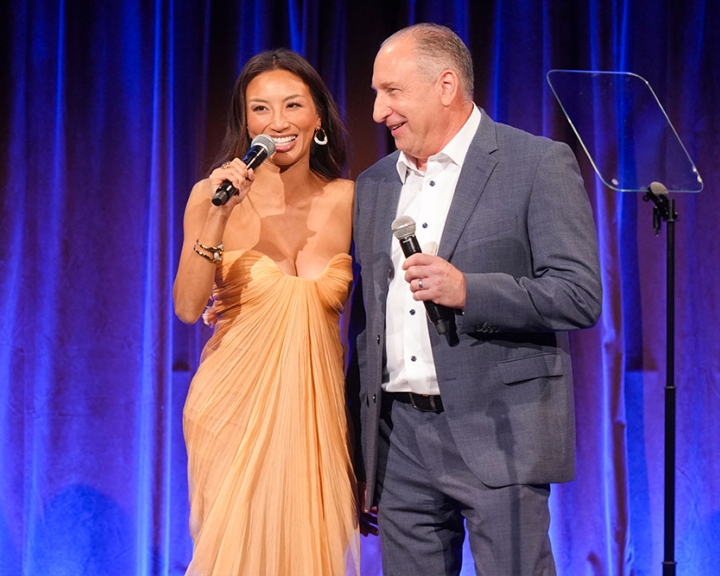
261, 147
404, 230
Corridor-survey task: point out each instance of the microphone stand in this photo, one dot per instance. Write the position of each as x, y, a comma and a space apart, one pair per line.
664, 210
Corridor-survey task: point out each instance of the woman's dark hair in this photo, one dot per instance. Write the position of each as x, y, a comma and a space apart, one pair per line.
328, 160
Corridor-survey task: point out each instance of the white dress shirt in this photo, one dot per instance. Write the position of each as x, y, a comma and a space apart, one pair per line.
426, 198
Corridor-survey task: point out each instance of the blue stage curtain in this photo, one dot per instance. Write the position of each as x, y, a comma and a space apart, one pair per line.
110, 111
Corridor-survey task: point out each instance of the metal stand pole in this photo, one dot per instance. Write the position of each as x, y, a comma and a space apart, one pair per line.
664, 210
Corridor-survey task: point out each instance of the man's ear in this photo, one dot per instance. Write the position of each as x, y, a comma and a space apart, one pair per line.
449, 86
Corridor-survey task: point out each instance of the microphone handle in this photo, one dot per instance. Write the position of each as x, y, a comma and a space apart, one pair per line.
252, 159
410, 246
223, 193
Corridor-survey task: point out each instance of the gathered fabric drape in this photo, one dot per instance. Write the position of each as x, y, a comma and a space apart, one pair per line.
109, 112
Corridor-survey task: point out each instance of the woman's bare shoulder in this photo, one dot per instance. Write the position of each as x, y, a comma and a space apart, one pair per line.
200, 193
201, 188
341, 187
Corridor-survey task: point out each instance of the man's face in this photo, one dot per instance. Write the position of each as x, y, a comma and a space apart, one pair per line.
407, 102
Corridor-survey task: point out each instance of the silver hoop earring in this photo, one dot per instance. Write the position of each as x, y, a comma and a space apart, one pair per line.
316, 138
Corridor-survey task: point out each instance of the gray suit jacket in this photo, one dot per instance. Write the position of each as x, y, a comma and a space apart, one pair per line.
520, 228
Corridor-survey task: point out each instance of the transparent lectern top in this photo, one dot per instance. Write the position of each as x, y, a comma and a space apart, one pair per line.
624, 130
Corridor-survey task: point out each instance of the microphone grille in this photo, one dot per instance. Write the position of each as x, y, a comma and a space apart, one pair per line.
403, 227
266, 142
658, 189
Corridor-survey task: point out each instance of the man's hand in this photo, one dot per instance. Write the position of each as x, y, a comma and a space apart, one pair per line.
368, 518
432, 278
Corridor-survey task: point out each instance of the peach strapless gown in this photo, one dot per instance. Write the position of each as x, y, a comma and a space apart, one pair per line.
272, 491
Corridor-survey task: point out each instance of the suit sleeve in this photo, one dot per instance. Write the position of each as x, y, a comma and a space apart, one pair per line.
355, 334
561, 289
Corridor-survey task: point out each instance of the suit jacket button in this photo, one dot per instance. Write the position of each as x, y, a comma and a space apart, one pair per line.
378, 338
374, 398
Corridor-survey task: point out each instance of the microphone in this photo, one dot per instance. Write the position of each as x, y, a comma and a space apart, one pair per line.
261, 147
658, 189
664, 208
404, 230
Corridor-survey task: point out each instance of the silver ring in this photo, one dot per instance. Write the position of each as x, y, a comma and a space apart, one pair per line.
420, 286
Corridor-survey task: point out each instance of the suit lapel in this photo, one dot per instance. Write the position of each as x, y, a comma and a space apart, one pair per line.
386, 210
477, 168
388, 196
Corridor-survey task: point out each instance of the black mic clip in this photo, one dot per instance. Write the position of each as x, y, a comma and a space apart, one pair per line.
664, 206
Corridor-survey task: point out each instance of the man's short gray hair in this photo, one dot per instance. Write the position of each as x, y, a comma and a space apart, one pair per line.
438, 48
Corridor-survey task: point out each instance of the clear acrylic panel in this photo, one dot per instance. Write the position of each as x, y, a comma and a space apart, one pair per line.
624, 130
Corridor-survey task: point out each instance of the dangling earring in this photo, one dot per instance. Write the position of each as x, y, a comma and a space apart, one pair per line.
318, 141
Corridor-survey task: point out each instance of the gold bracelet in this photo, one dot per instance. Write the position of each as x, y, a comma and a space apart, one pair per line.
216, 251
207, 257
219, 248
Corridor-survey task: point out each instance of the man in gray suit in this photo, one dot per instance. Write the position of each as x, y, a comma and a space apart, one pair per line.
468, 432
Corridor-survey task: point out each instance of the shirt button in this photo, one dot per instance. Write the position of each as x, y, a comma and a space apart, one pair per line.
413, 358
425, 225
412, 312
432, 182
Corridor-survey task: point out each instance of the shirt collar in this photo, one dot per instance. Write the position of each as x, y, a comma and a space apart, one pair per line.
454, 151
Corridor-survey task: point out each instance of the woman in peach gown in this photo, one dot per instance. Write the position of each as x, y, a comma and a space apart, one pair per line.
272, 491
